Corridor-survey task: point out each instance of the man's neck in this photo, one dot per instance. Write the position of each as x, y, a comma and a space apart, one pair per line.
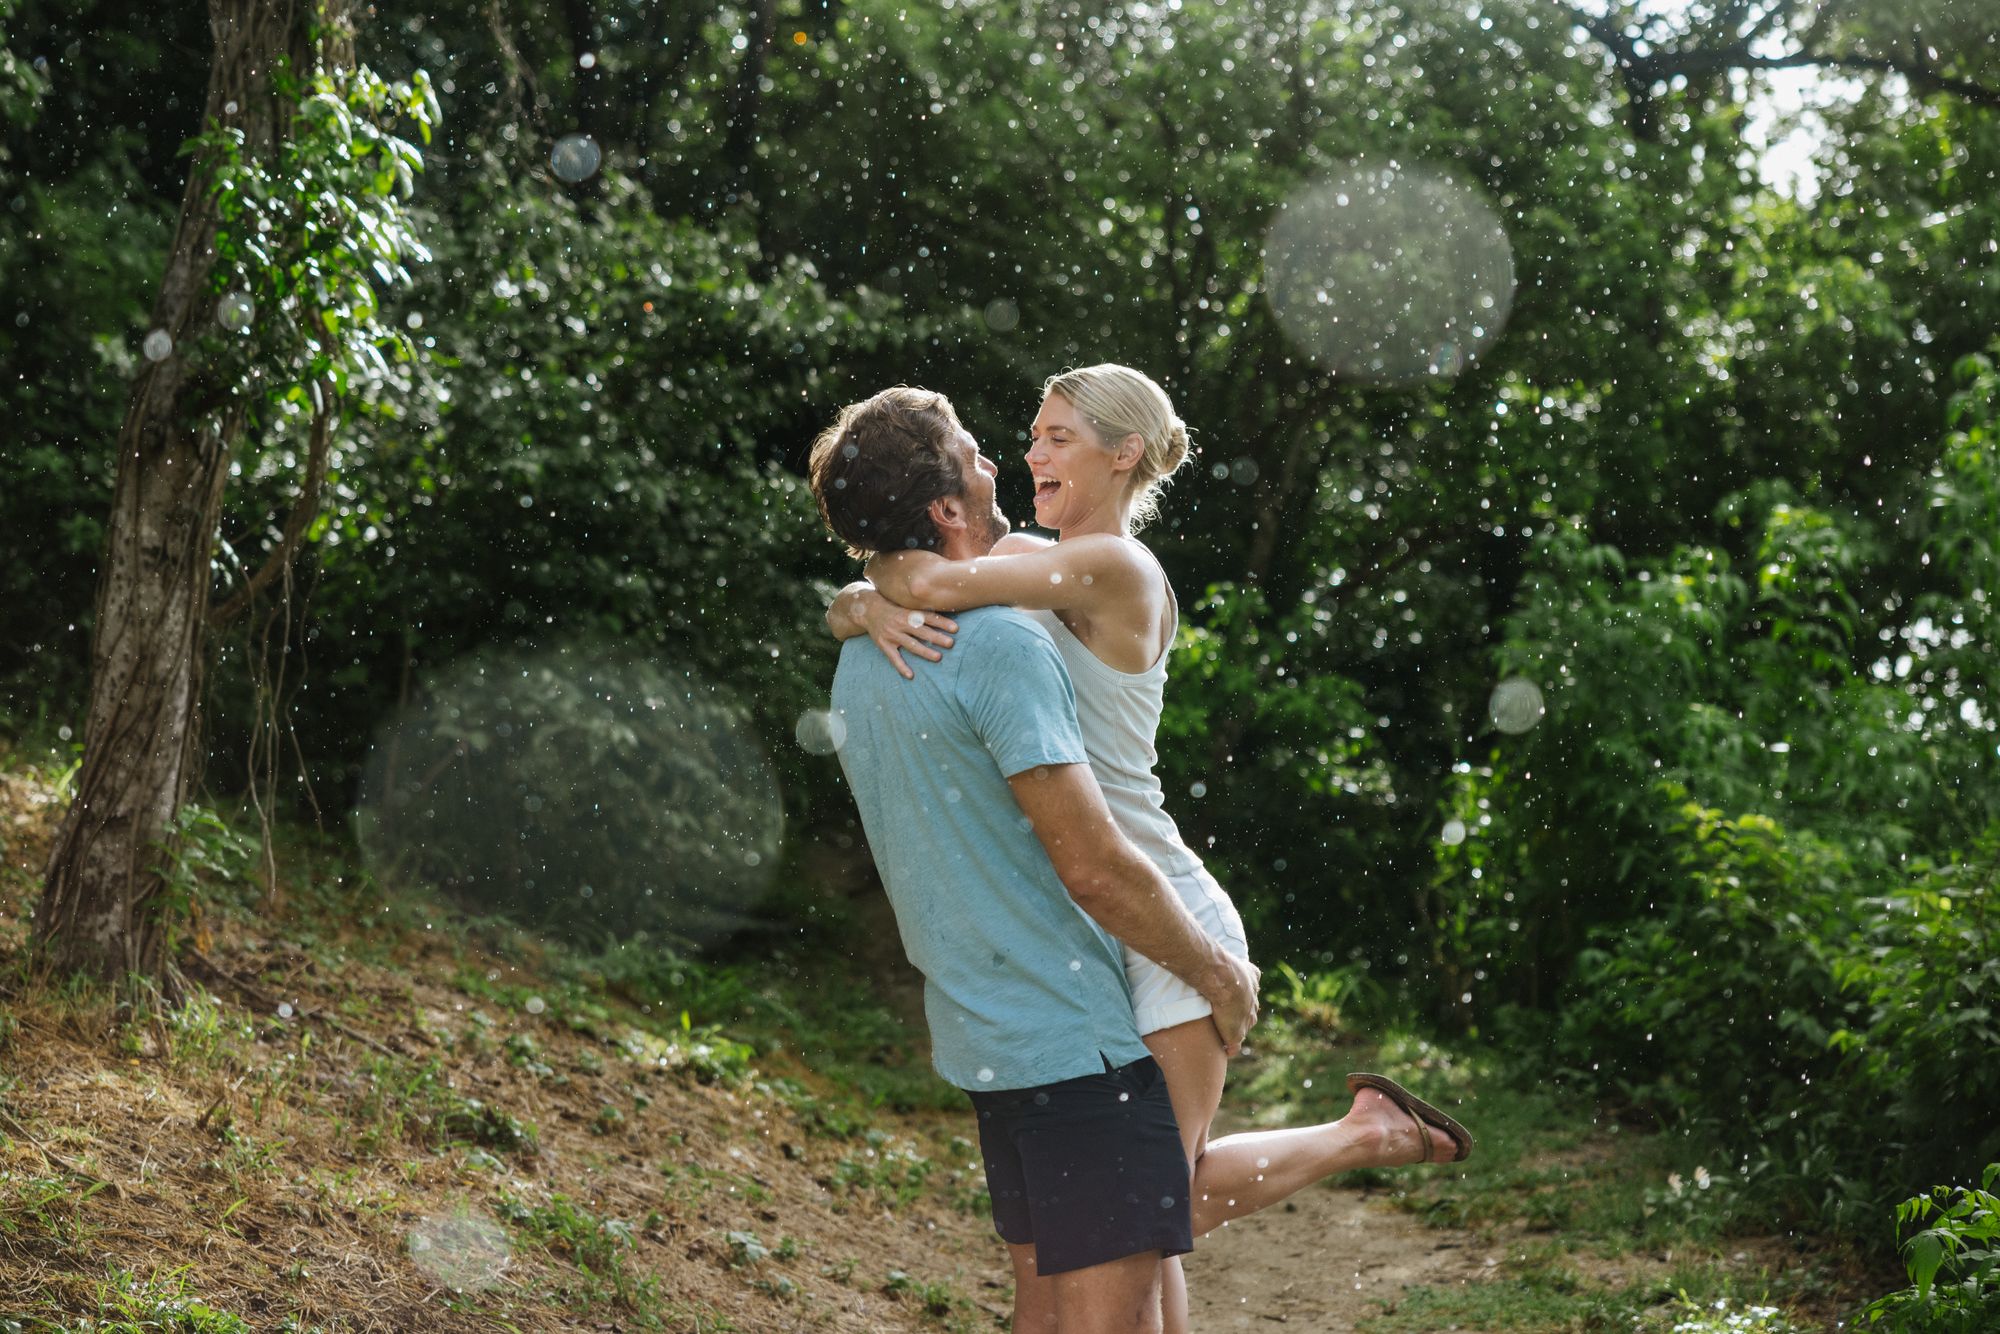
961, 545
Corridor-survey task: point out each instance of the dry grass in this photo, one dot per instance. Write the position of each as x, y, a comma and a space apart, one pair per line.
229, 1164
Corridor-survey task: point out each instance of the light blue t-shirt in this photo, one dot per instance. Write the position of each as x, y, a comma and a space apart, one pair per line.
1020, 987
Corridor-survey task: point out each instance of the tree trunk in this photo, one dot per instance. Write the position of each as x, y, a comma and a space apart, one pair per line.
101, 908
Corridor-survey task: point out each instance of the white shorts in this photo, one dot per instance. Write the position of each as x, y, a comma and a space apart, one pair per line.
1161, 1000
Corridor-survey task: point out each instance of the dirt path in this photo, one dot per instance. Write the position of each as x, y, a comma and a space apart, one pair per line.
1323, 1260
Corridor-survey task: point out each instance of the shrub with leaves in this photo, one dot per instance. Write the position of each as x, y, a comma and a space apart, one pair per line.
1953, 1263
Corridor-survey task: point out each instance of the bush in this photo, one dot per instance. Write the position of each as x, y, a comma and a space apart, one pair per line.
1953, 1265
1837, 1040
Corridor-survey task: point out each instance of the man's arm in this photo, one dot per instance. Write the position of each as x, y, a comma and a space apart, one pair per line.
1123, 892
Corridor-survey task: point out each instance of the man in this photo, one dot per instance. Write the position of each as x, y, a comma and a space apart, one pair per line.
990, 833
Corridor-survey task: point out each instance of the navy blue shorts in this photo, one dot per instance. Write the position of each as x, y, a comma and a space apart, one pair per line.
1087, 1170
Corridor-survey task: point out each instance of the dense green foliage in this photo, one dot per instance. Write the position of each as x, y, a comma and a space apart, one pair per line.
1953, 1264
1724, 488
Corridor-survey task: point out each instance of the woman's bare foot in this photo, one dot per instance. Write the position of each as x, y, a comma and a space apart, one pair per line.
1396, 1138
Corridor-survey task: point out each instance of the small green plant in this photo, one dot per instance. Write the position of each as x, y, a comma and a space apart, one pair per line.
201, 853
468, 1120
939, 1301
42, 1205
689, 1183
598, 1247
1953, 1264
745, 1249
203, 1034
1323, 1002
1722, 1317
405, 1100
523, 1051
778, 1286
129, 1304
895, 1176
1695, 1204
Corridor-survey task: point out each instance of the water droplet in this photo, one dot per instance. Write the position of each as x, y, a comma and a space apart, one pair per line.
159, 345
1389, 272
1452, 834
1076, 965
536, 1005
284, 1010
1515, 705
236, 312
1002, 315
576, 157
985, 1076
464, 1253
821, 731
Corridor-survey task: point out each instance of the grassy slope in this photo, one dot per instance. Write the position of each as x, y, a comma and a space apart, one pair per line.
380, 1115
368, 1104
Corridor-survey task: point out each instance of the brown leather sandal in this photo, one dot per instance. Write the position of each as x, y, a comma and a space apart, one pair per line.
1427, 1117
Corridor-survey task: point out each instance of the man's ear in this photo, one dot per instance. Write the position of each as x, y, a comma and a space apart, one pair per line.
948, 512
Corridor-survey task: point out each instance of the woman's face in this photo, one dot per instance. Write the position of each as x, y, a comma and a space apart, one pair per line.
1075, 475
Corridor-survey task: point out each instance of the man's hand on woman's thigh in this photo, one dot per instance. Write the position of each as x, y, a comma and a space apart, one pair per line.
1235, 1004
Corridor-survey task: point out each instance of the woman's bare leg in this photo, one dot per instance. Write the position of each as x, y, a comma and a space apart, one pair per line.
1241, 1174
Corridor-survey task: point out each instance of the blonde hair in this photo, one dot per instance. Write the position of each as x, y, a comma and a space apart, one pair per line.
1117, 401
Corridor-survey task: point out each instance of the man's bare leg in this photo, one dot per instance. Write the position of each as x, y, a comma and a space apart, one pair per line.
1034, 1296
1191, 1058
1119, 1295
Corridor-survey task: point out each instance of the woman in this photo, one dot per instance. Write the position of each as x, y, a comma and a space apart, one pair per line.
1104, 443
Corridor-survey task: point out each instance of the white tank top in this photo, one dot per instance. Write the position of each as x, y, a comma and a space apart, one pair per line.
1119, 713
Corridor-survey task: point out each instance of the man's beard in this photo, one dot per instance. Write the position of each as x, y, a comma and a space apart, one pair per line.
997, 527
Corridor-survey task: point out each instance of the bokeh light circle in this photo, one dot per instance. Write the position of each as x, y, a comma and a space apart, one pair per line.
821, 732
236, 312
461, 1252
577, 792
1387, 272
1515, 705
1452, 834
1002, 315
575, 157
159, 345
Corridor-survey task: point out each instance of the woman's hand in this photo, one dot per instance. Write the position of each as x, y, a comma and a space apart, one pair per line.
895, 629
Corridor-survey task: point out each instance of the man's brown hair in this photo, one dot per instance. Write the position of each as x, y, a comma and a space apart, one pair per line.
877, 469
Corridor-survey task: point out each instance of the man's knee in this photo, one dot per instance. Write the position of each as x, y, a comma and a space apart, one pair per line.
1119, 1295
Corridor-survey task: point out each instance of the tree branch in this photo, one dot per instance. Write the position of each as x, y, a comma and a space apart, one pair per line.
1640, 73
317, 451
